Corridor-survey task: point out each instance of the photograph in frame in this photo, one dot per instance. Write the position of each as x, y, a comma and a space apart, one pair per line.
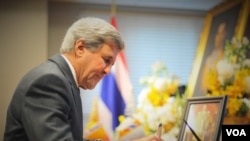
202, 119
219, 25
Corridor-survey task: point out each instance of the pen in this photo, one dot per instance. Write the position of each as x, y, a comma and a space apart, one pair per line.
159, 130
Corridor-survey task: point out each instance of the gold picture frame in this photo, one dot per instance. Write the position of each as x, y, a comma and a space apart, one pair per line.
202, 119
247, 28
232, 12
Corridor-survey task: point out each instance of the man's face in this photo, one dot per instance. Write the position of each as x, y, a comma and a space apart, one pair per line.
95, 65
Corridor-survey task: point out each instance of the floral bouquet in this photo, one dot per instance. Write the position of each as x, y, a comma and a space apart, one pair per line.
232, 77
160, 102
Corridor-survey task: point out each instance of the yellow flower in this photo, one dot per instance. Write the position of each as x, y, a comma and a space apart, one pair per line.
168, 126
172, 87
157, 99
234, 105
233, 91
121, 118
232, 76
212, 80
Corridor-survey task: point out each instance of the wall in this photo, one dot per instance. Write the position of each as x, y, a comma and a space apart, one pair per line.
23, 44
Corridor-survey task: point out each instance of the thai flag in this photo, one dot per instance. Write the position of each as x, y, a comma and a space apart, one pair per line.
116, 93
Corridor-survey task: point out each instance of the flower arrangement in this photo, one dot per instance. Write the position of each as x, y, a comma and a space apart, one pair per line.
160, 102
232, 77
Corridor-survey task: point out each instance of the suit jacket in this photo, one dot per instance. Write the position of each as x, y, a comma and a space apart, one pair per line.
46, 105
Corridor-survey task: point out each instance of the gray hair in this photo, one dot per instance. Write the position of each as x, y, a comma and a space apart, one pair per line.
94, 32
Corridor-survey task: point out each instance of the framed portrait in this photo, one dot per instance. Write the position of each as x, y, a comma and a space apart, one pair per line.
222, 23
202, 119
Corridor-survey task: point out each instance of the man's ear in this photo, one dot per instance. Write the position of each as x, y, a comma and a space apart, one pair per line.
79, 47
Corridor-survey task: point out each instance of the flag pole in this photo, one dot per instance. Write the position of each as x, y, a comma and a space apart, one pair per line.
113, 14
113, 8
130, 105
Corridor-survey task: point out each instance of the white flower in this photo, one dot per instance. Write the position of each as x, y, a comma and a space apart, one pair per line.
171, 135
161, 84
143, 80
139, 116
147, 80
234, 40
153, 121
246, 63
225, 70
245, 41
169, 116
157, 66
171, 100
143, 97
247, 102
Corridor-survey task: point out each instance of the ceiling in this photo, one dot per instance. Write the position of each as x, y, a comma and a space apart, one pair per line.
200, 5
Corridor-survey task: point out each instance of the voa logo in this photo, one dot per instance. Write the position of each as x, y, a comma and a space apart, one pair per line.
236, 132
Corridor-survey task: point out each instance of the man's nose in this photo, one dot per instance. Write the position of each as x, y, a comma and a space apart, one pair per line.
107, 70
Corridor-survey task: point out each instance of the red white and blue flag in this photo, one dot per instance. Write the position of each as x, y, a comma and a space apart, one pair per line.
116, 93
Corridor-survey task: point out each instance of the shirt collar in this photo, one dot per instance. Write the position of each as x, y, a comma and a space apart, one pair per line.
71, 68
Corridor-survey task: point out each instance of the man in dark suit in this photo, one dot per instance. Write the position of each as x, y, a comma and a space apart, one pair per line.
46, 105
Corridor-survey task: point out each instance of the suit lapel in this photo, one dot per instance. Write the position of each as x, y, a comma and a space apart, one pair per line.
60, 61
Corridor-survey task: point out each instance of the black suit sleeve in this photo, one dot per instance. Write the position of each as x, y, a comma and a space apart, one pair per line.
46, 110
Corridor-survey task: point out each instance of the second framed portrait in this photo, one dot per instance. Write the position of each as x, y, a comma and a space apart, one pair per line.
202, 119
